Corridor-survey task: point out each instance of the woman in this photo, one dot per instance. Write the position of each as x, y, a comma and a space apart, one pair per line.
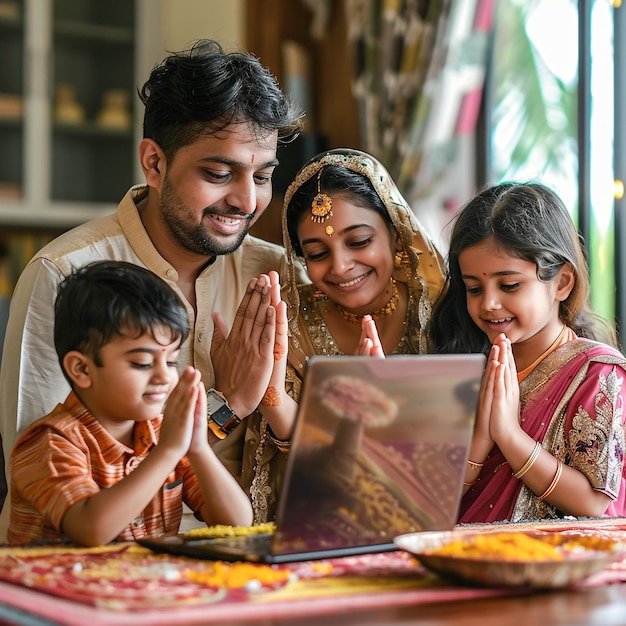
374, 276
366, 254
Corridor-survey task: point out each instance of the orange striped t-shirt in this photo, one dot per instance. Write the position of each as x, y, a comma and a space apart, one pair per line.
67, 456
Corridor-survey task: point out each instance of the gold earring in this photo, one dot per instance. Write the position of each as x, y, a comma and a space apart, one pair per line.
319, 295
402, 264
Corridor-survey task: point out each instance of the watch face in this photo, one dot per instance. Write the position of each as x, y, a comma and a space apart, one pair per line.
214, 402
221, 418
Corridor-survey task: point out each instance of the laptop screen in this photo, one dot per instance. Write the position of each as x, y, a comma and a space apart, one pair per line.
379, 450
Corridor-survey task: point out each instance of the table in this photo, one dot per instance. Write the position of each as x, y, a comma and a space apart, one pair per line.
129, 583
601, 606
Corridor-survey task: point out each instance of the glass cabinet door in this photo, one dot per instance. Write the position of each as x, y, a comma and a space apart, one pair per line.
93, 94
11, 99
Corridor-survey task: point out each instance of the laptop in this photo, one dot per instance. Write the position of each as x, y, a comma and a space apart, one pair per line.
379, 450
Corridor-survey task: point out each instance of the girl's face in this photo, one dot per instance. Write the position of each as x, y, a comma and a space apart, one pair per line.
353, 265
504, 295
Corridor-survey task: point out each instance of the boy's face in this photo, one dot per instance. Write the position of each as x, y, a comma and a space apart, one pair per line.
134, 380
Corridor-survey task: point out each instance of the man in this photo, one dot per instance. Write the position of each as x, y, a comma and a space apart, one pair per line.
212, 125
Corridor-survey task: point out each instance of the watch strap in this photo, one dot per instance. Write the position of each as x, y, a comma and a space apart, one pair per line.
223, 420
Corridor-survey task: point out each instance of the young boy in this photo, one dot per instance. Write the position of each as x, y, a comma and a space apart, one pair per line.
105, 465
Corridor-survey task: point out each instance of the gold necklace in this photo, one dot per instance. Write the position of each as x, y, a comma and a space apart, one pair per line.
388, 309
521, 375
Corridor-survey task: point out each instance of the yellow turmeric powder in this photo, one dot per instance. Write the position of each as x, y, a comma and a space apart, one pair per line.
223, 530
506, 546
576, 542
238, 575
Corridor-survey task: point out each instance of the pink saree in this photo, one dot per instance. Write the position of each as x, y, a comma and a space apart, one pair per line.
572, 402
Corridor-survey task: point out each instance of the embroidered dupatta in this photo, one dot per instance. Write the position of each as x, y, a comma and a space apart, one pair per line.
572, 402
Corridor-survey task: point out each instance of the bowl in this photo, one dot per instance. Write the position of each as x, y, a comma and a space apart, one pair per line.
582, 556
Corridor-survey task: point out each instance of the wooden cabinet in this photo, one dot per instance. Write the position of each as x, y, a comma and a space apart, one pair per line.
11, 100
271, 23
93, 92
68, 121
333, 118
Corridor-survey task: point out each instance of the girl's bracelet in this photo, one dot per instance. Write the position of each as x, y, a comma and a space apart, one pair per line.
530, 462
555, 480
475, 466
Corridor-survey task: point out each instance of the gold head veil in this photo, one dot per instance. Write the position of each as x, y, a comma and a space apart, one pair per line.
422, 267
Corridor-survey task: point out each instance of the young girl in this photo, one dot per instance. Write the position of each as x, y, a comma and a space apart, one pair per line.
549, 437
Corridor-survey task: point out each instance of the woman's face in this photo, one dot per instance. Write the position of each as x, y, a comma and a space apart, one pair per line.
353, 265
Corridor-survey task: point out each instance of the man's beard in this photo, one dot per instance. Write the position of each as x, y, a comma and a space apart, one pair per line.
194, 237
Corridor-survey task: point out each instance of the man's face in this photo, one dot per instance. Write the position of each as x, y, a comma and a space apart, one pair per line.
216, 188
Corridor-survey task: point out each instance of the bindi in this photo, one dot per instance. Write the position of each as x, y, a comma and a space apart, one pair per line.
252, 159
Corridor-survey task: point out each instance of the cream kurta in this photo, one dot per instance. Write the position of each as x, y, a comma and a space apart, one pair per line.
31, 380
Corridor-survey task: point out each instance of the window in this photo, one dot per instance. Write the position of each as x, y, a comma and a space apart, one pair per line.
550, 109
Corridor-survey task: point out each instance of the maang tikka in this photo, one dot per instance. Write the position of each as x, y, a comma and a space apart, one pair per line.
322, 205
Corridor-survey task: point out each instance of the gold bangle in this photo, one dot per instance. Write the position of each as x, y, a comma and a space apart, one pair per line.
475, 466
555, 480
529, 463
281, 444
470, 484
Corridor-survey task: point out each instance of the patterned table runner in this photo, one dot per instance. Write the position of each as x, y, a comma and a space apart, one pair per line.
126, 584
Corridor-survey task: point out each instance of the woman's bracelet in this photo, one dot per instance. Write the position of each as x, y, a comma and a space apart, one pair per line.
555, 480
281, 444
531, 460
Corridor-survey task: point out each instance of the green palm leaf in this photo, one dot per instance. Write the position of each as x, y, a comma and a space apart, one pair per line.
534, 110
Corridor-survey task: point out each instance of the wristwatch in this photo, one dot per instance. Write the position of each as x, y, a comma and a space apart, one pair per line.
222, 420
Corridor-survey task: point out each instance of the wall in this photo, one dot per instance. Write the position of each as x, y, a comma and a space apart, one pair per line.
187, 20
170, 25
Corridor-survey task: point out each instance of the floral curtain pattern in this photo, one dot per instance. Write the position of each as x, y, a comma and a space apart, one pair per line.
419, 69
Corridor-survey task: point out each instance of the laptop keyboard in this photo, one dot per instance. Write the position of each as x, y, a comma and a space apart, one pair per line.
257, 544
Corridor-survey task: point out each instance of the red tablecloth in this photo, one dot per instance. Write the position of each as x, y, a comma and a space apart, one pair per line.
126, 584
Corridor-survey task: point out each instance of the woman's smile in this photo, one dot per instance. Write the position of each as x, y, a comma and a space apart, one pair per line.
354, 282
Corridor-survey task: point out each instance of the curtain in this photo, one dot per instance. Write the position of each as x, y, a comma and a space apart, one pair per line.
419, 69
